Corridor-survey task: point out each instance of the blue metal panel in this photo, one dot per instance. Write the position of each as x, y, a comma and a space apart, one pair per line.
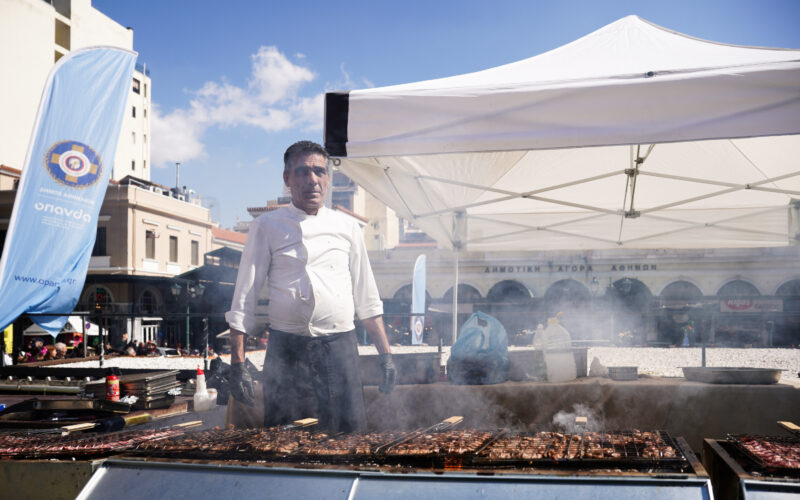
770, 490
120, 479
467, 487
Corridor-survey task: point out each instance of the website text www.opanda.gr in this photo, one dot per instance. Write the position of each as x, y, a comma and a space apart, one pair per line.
43, 281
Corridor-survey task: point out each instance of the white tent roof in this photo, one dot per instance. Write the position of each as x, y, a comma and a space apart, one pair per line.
632, 136
73, 325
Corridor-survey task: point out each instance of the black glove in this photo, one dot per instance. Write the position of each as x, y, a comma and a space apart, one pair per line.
389, 373
241, 384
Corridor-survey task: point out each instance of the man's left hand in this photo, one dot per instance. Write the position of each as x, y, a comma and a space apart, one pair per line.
389, 373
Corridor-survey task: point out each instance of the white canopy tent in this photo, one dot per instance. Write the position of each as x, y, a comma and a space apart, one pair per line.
73, 325
633, 136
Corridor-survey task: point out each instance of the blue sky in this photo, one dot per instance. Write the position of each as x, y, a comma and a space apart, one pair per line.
235, 82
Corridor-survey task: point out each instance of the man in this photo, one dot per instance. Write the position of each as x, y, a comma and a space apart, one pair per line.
318, 276
122, 344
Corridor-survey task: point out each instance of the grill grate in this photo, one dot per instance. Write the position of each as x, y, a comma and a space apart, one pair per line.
773, 455
640, 450
635, 449
25, 445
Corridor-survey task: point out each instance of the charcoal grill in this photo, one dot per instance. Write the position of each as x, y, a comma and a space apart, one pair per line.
115, 478
176, 462
737, 474
431, 448
210, 462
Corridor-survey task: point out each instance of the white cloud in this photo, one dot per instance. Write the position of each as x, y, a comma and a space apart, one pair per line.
175, 137
270, 100
275, 78
309, 112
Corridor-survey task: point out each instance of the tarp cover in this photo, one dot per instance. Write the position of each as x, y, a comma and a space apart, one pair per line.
632, 136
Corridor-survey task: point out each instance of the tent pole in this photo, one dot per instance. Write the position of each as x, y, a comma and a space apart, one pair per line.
84, 338
455, 299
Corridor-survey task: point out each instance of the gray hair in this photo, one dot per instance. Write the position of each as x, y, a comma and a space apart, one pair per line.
302, 147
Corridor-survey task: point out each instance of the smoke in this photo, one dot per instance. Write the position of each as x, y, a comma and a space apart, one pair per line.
565, 421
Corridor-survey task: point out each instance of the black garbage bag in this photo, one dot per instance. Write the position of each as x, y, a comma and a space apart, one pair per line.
219, 373
480, 355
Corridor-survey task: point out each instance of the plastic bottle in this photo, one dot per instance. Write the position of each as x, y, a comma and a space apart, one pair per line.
203, 399
112, 387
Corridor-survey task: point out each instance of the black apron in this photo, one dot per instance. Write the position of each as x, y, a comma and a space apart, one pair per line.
316, 377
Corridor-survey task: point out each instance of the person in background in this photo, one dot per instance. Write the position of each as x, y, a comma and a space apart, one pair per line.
77, 350
122, 343
319, 277
61, 350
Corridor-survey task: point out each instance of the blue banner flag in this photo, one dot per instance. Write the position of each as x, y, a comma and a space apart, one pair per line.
418, 301
70, 156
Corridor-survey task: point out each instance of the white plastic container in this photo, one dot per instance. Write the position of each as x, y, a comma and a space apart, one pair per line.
204, 399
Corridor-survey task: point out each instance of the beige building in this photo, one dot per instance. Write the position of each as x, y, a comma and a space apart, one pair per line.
143, 231
34, 34
146, 238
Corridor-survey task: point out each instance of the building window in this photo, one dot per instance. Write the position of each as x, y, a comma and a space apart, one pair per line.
133, 111
145, 90
173, 249
100, 243
145, 112
133, 164
133, 137
144, 138
144, 164
195, 253
102, 299
148, 303
150, 245
62, 34
136, 85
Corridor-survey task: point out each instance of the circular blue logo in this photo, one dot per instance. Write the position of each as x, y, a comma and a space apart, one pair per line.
73, 163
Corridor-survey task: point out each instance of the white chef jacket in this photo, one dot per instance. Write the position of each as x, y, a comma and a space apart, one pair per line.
317, 272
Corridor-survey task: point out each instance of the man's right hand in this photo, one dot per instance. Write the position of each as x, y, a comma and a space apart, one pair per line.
241, 384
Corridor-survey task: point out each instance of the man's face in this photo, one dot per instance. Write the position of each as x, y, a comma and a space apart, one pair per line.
308, 180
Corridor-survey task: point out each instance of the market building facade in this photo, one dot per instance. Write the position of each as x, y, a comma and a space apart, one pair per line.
723, 297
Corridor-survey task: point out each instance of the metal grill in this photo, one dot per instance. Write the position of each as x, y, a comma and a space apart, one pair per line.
769, 454
46, 445
633, 450
468, 448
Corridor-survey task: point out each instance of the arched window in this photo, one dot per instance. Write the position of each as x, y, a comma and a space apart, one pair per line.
738, 288
404, 295
99, 299
681, 291
789, 289
148, 302
568, 293
509, 291
466, 293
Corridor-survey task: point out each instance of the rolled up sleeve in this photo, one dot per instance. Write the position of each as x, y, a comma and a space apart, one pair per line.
366, 298
253, 269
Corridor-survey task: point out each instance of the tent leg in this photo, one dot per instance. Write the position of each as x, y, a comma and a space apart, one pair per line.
455, 300
84, 339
